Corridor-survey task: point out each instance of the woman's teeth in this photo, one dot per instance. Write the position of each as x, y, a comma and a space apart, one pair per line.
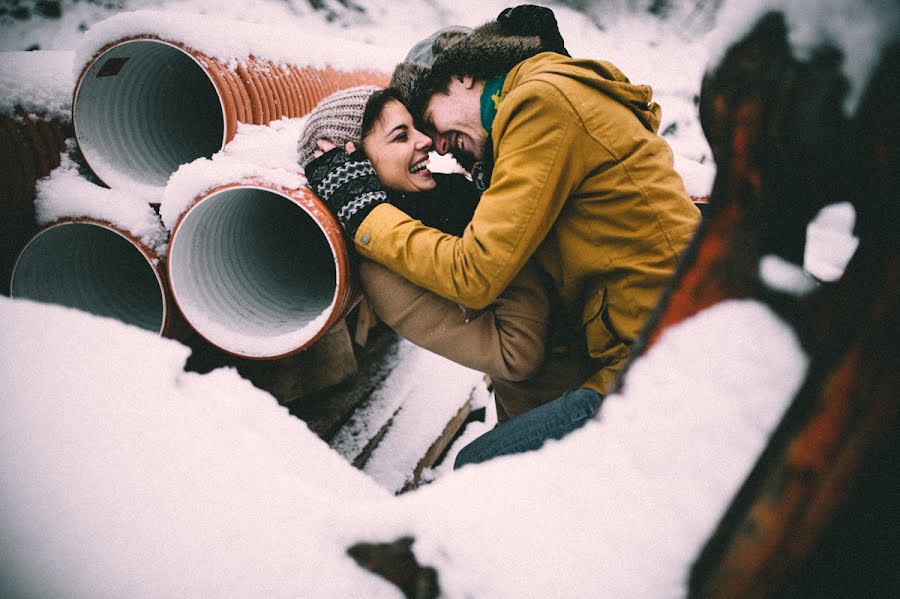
419, 166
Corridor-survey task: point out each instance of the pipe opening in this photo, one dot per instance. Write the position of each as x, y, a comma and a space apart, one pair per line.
142, 109
252, 271
93, 268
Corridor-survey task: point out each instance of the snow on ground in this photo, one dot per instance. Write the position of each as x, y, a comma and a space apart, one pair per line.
123, 475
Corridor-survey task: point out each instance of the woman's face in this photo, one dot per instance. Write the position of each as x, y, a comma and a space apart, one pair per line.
398, 152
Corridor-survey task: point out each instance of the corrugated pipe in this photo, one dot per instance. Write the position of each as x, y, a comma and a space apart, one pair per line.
143, 106
96, 267
30, 147
258, 270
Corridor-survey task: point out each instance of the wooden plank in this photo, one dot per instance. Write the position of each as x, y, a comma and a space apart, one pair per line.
439, 446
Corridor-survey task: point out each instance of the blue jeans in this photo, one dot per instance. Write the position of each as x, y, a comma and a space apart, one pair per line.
526, 432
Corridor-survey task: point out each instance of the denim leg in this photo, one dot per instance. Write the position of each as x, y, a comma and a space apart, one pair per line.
526, 432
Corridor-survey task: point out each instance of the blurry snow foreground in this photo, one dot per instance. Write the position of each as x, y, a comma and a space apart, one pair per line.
123, 475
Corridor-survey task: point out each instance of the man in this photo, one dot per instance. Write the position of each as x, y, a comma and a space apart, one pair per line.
577, 178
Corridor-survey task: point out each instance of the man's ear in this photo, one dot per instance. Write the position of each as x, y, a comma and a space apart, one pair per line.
467, 81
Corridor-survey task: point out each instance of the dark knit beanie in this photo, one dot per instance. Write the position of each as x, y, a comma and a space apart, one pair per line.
337, 118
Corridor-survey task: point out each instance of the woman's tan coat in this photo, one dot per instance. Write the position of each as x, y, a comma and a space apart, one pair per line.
507, 341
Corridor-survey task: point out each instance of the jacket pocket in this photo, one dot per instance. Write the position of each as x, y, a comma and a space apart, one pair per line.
598, 334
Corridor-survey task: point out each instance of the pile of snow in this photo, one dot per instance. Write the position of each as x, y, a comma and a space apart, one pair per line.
265, 153
124, 476
148, 481
37, 82
230, 41
67, 194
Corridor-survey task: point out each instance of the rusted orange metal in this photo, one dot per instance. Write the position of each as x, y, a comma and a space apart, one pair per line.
847, 411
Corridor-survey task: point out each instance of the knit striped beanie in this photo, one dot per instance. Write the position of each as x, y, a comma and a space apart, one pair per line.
337, 118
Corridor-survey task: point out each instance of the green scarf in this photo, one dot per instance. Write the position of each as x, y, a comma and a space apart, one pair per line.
490, 100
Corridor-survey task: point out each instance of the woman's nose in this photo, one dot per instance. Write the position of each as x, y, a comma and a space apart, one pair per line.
423, 142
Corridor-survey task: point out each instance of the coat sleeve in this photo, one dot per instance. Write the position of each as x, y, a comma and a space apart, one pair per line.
533, 175
507, 340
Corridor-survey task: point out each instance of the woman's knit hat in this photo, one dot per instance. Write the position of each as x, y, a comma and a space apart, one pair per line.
337, 118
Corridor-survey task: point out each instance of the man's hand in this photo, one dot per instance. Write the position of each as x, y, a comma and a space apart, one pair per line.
347, 184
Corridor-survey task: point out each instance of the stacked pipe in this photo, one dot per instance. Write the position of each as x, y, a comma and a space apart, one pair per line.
142, 107
260, 270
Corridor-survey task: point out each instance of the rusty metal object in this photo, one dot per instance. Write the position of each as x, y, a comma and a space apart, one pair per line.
784, 149
143, 105
259, 270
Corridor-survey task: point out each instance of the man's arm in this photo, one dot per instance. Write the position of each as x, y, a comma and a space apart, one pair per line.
533, 176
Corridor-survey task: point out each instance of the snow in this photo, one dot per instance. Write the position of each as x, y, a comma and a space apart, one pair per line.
830, 243
399, 400
124, 476
267, 154
66, 194
229, 41
37, 82
93, 503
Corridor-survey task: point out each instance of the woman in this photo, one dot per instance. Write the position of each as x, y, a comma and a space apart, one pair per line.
509, 340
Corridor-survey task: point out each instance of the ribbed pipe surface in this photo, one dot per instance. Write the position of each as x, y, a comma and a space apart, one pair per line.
258, 270
30, 148
143, 106
95, 267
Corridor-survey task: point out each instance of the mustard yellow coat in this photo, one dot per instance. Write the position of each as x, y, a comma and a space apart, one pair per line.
582, 182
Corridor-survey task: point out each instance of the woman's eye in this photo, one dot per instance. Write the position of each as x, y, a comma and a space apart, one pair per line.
401, 137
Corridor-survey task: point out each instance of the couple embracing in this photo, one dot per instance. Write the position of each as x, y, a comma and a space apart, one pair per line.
541, 264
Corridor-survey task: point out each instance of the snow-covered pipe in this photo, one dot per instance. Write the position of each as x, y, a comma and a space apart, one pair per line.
259, 270
99, 268
143, 106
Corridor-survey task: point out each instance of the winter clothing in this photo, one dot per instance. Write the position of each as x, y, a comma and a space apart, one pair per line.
348, 185
423, 52
490, 50
528, 432
528, 19
337, 118
507, 341
582, 183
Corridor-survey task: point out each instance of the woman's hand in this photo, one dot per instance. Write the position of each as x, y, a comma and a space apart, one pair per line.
347, 183
325, 145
